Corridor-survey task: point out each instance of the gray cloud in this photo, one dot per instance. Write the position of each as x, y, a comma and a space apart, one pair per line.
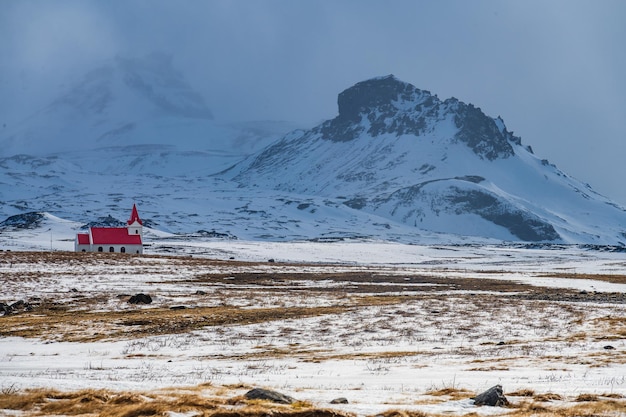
552, 69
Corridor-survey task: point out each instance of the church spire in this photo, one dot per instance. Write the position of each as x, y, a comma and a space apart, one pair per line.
134, 217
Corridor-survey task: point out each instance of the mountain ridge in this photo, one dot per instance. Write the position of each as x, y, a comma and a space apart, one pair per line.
402, 153
381, 98
396, 163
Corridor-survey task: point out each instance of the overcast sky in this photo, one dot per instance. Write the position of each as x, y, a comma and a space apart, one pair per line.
554, 70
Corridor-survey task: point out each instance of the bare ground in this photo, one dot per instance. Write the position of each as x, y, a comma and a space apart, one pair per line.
83, 298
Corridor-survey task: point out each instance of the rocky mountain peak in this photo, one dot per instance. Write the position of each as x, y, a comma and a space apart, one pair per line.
378, 106
389, 106
382, 92
404, 156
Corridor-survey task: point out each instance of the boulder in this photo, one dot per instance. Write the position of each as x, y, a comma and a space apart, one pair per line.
140, 299
493, 397
340, 400
269, 395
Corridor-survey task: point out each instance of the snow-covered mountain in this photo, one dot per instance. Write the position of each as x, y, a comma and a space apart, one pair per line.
396, 163
401, 153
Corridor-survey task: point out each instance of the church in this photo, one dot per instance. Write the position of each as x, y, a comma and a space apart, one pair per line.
113, 239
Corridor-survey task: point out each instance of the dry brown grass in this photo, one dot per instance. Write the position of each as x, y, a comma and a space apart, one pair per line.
70, 320
114, 404
489, 369
86, 258
586, 398
451, 393
78, 326
319, 356
615, 279
610, 328
547, 397
601, 408
211, 401
522, 393
52, 402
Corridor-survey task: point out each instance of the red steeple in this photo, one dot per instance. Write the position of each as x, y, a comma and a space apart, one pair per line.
134, 216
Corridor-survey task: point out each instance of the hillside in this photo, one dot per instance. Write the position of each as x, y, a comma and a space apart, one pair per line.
403, 154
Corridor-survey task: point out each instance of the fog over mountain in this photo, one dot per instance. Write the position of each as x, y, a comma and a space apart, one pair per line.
553, 69
123, 101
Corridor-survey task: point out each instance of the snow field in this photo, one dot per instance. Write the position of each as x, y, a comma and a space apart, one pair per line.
383, 345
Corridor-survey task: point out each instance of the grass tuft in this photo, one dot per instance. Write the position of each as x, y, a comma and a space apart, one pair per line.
452, 393
547, 397
586, 398
522, 393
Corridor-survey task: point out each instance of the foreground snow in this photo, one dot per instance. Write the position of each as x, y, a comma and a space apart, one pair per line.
379, 356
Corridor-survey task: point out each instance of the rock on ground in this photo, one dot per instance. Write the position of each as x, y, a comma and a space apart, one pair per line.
493, 397
269, 395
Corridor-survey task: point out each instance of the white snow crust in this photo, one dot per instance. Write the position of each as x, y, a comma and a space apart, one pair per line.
443, 356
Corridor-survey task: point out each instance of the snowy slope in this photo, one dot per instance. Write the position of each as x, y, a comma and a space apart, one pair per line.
403, 154
184, 204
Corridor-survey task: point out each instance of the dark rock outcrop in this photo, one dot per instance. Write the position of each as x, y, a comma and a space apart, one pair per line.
340, 400
16, 307
376, 100
30, 220
215, 234
107, 221
268, 395
493, 397
140, 299
391, 106
522, 224
459, 196
482, 134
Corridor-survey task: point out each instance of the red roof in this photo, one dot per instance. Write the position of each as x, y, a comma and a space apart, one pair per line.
83, 238
113, 236
134, 216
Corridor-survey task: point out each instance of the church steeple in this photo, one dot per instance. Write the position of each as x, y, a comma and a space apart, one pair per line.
134, 216
134, 223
